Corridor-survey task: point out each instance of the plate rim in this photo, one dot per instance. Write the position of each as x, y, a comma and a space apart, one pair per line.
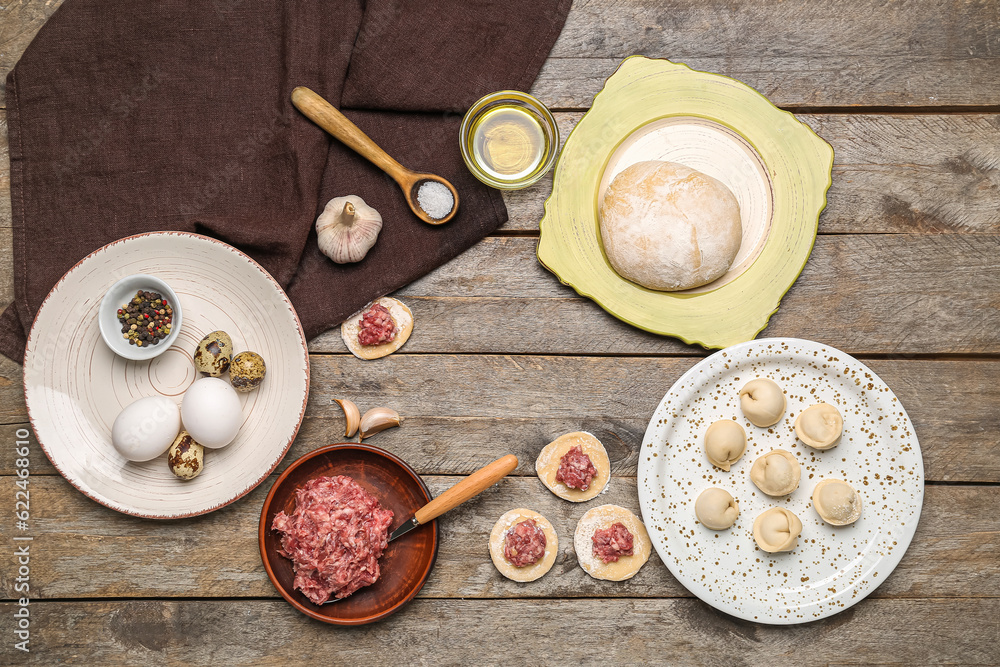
645, 498
262, 529
288, 445
551, 253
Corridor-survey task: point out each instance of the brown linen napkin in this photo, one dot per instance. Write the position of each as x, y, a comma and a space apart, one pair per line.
126, 118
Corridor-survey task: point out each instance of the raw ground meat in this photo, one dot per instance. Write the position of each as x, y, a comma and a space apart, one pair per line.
377, 326
613, 542
576, 470
524, 544
334, 537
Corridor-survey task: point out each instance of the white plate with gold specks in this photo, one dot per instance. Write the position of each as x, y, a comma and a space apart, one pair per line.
832, 567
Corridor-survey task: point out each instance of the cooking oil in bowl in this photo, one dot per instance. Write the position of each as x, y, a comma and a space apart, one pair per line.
509, 140
508, 143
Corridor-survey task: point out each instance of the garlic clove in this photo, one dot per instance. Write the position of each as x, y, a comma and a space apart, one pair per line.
378, 419
352, 416
347, 229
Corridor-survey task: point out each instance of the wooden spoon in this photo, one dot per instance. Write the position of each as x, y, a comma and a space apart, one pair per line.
321, 112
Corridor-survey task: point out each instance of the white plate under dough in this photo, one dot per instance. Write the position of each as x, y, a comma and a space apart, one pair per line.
528, 572
401, 315
626, 566
547, 465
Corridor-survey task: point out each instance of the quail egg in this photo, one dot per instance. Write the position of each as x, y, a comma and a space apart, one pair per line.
186, 457
247, 371
213, 354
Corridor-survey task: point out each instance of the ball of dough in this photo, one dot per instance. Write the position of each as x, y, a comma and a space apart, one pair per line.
836, 502
499, 534
820, 426
716, 509
725, 442
777, 529
603, 517
669, 227
547, 465
762, 402
776, 473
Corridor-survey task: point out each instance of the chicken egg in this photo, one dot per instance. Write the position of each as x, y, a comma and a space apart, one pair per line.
211, 412
146, 428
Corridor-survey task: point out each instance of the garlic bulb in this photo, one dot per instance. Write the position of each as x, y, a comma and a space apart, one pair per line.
347, 229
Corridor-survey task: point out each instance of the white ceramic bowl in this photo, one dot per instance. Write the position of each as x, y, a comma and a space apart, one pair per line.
122, 292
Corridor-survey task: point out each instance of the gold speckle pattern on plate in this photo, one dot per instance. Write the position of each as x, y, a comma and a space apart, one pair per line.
832, 567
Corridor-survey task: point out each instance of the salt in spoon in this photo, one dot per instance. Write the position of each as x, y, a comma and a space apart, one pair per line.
321, 112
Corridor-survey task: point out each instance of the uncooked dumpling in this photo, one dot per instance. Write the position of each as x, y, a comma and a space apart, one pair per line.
776, 473
725, 442
820, 426
836, 502
669, 227
498, 543
716, 509
776, 530
762, 402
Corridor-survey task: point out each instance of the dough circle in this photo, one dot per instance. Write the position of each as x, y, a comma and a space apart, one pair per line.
528, 572
401, 315
669, 227
602, 517
547, 465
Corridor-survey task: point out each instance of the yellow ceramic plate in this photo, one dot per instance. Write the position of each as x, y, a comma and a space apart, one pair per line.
776, 166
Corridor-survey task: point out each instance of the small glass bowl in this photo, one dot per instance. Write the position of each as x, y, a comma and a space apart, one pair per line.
122, 292
531, 105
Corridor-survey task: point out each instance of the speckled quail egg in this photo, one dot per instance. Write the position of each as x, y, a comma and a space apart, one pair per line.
213, 354
186, 457
247, 371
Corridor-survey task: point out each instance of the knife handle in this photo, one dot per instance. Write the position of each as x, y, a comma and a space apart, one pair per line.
468, 488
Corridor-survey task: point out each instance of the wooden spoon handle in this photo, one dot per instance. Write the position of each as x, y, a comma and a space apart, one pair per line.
468, 488
321, 112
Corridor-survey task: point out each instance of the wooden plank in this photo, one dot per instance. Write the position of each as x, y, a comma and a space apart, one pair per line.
799, 53
459, 632
460, 412
891, 174
864, 294
796, 52
84, 550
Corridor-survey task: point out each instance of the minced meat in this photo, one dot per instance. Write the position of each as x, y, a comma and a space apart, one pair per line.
613, 542
334, 537
524, 544
576, 470
377, 326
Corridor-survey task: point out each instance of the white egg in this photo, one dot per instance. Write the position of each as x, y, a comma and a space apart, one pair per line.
146, 428
211, 412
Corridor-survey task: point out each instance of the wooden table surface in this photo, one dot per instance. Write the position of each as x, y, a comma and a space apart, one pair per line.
905, 275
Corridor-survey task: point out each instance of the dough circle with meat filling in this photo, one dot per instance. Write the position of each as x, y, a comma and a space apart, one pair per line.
547, 465
602, 517
499, 534
401, 315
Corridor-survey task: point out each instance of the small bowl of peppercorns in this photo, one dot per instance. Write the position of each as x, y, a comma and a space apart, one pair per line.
140, 317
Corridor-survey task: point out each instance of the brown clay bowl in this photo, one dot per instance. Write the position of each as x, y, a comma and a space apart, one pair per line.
406, 562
